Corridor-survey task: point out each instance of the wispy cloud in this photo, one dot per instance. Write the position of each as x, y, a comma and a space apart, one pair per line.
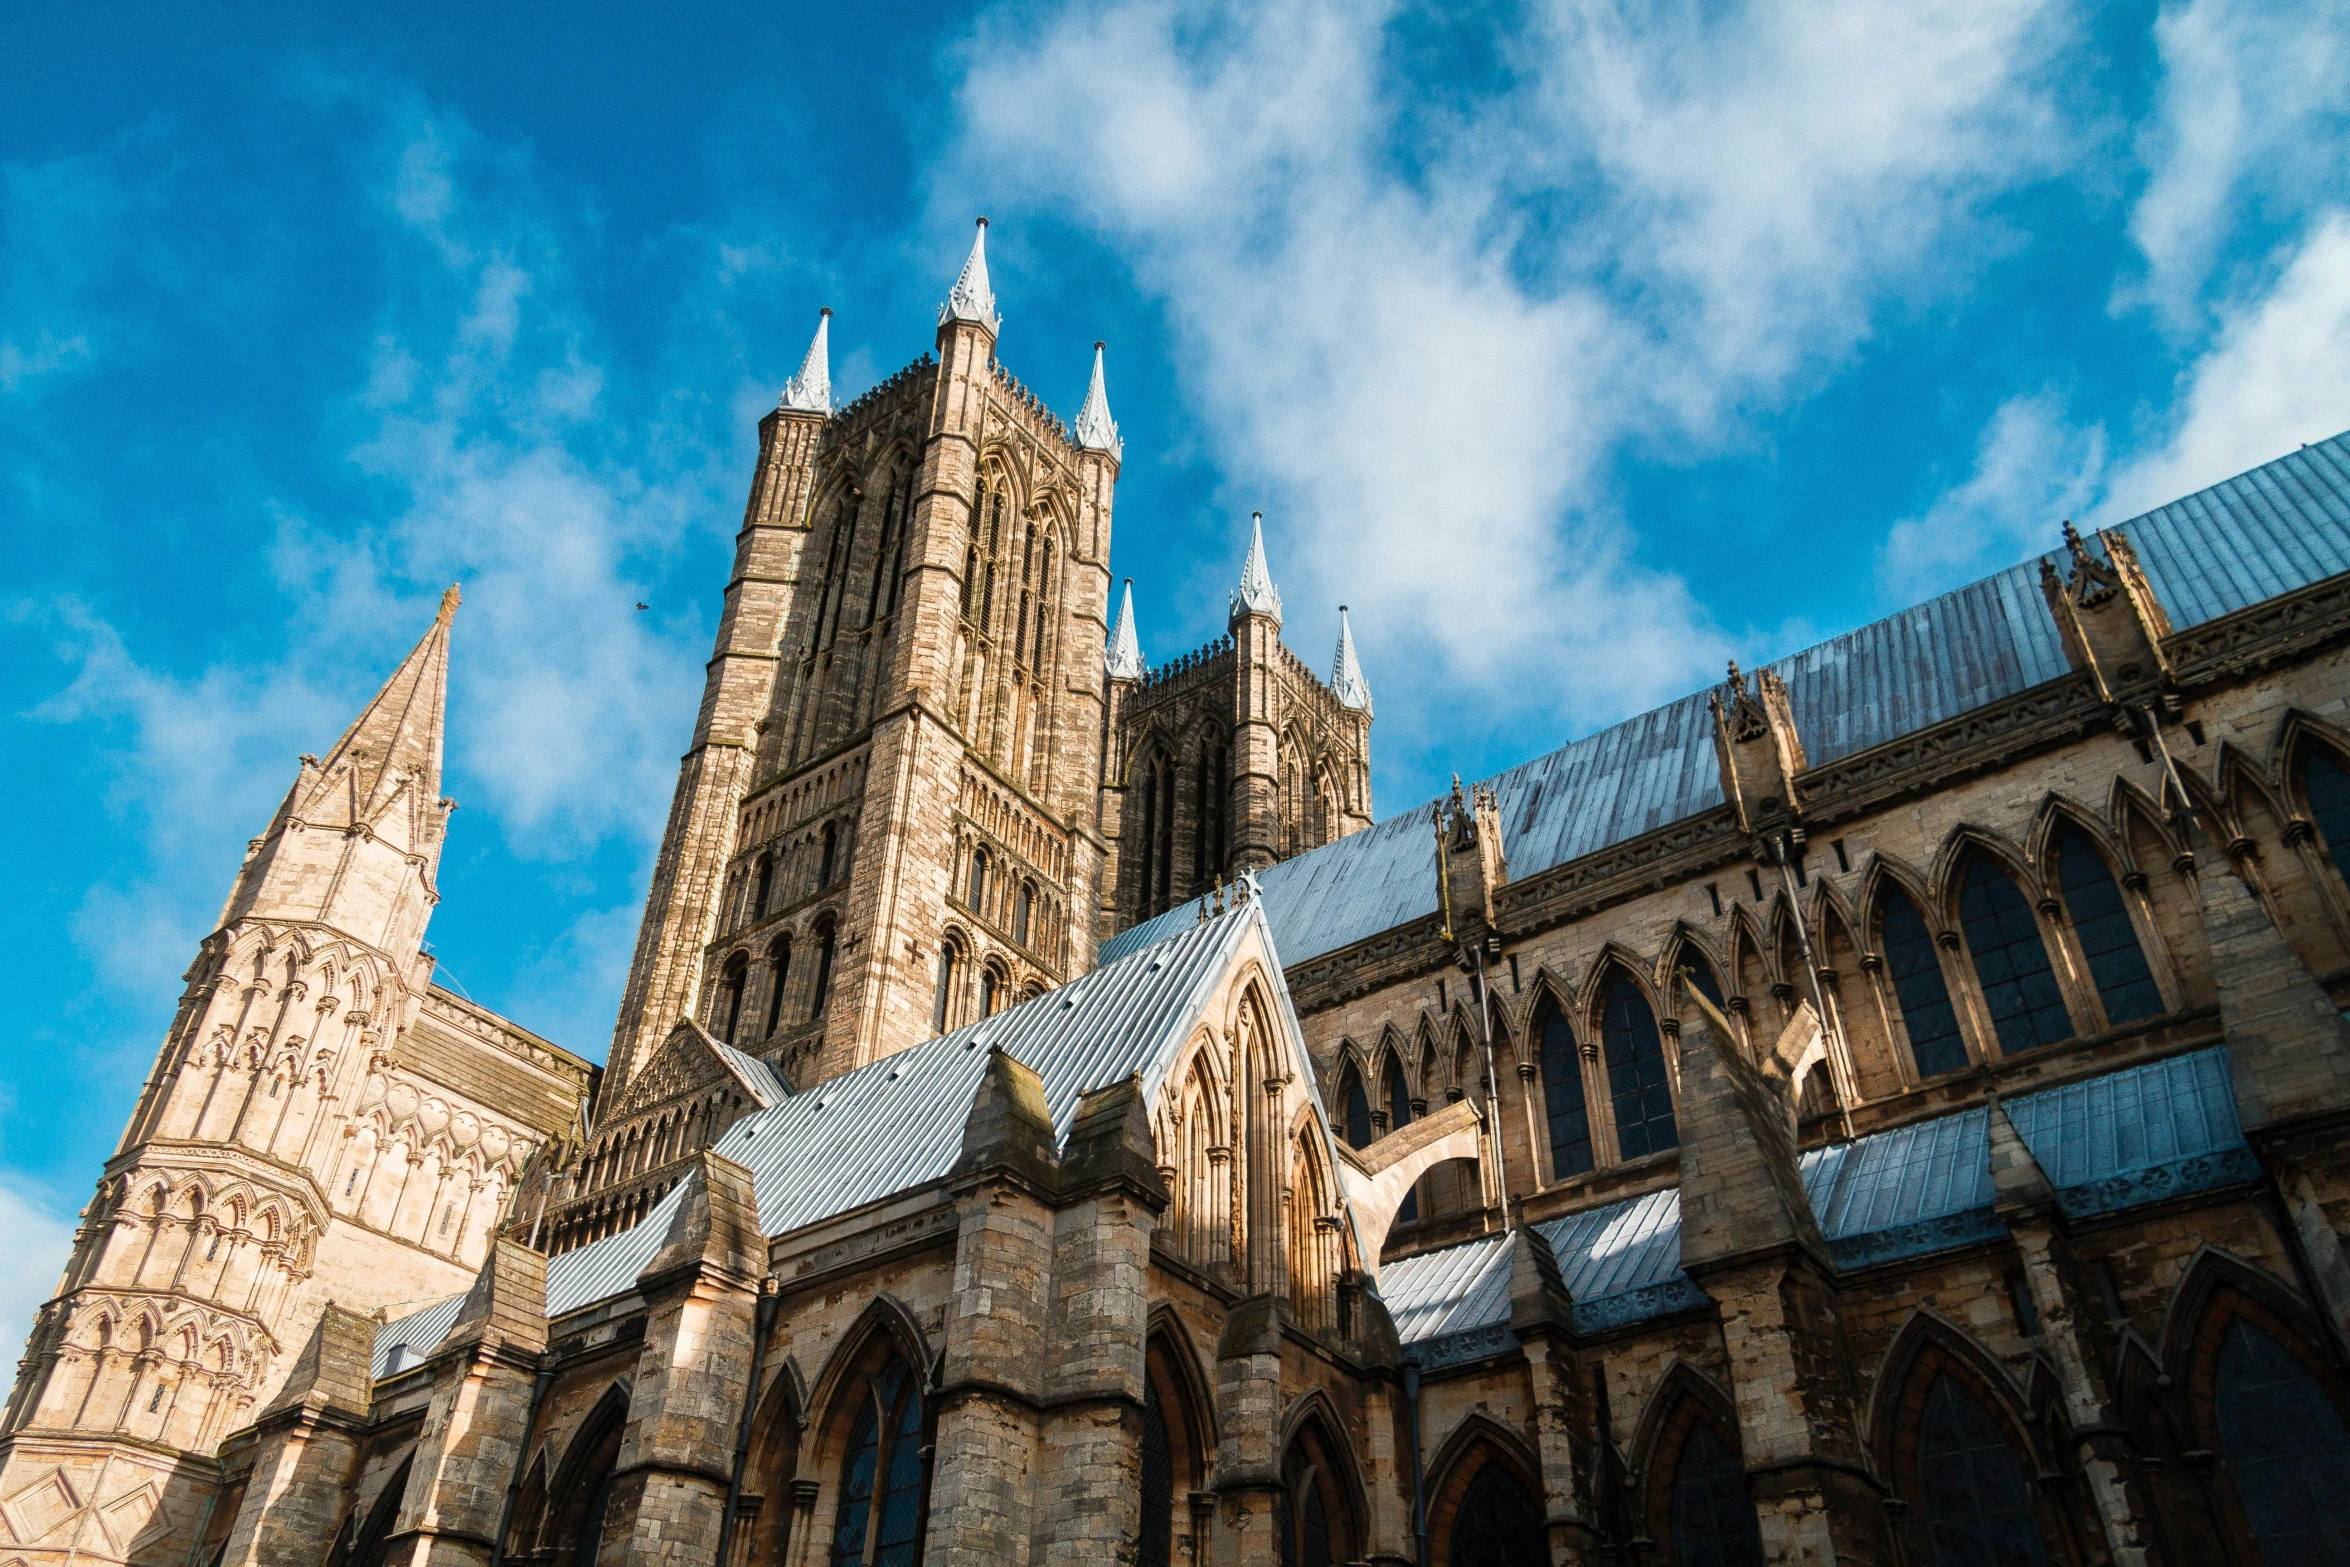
2032, 470
1646, 226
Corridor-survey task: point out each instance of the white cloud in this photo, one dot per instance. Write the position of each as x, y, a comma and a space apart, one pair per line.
36, 1236
1422, 365
2253, 111
2032, 470
2277, 374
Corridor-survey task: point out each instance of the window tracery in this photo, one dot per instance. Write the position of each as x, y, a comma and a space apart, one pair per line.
1643, 1098
1920, 988
2011, 961
2101, 923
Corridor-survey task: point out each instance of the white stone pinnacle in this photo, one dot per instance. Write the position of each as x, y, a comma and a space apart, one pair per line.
972, 298
1123, 661
1096, 430
1256, 593
810, 392
1346, 671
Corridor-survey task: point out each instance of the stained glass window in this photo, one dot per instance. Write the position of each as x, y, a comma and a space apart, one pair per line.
881, 1477
1978, 1503
854, 1516
2027, 1010
1498, 1524
2328, 788
1713, 1517
1636, 1072
2102, 923
1919, 987
1562, 1093
2286, 1448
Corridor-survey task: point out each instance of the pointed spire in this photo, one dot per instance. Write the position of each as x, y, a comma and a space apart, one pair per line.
396, 738
1096, 430
1346, 672
810, 392
1256, 593
1124, 659
972, 299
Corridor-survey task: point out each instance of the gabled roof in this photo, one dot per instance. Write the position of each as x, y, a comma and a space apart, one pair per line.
2280, 527
2127, 1138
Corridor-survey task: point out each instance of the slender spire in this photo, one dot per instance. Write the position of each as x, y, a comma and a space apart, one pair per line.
1256, 593
1346, 672
972, 299
1124, 659
397, 737
1096, 430
810, 392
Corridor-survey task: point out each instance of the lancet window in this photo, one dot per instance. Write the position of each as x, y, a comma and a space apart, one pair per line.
2101, 922
1637, 1083
2327, 788
778, 970
877, 1521
1918, 984
2286, 1446
1497, 1523
948, 961
738, 975
820, 991
1713, 1516
1399, 1115
1568, 1116
2011, 961
1978, 1505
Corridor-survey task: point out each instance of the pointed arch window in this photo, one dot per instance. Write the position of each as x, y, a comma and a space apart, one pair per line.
1701, 975
990, 987
738, 974
1562, 1091
778, 970
946, 987
764, 887
978, 888
1497, 1523
1023, 909
1399, 1115
1918, 985
878, 1520
1978, 1504
2286, 1447
2327, 788
1636, 1071
1713, 1516
825, 862
1158, 1482
2101, 922
821, 990
1357, 1108
2011, 962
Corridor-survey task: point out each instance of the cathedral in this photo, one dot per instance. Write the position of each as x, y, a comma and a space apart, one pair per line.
1888, 1108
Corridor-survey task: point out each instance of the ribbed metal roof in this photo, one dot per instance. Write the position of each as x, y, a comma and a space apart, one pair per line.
417, 1333
759, 1073
2277, 528
2128, 1137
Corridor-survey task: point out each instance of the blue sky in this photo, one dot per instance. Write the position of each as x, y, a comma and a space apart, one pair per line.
1577, 348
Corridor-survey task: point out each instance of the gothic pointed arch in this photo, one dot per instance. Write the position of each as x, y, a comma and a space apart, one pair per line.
1688, 1479
1621, 1015
1558, 1056
1684, 948
1950, 1434
773, 1460
1323, 1507
1484, 1490
868, 1440
1178, 1439
1981, 878
368, 1545
581, 1491
885, 1317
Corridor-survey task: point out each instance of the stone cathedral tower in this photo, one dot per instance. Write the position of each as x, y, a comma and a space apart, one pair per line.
322, 1125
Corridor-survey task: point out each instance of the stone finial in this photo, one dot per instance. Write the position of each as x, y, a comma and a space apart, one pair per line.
1123, 658
507, 1305
1741, 1190
1539, 1302
2111, 623
1096, 431
1110, 1142
2018, 1184
1346, 671
1256, 594
336, 1368
1010, 1127
810, 391
1760, 753
715, 1222
973, 298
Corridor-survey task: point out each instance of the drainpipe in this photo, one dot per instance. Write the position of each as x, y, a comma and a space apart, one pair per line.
530, 1427
1411, 1397
765, 1318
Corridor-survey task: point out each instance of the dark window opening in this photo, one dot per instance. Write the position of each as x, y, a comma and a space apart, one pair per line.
1920, 988
1158, 1483
946, 989
878, 1520
824, 865
1713, 1517
1358, 1110
1842, 863
1562, 1093
2108, 940
1754, 880
1497, 1524
2286, 1448
1713, 893
1636, 1072
1978, 1504
2011, 962
738, 974
2328, 791
778, 970
765, 887
1399, 1114
823, 985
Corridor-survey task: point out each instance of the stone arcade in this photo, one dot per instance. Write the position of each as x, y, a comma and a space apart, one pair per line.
1886, 1109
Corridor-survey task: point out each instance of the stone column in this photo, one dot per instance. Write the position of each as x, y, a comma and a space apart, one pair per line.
1248, 1422
2027, 1204
480, 1410
1089, 1478
685, 1404
1749, 1240
990, 1381
304, 1446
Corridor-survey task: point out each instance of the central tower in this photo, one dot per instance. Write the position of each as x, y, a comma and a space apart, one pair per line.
912, 840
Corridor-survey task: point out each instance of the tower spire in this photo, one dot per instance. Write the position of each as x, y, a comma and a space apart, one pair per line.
1256, 593
1124, 660
810, 392
972, 298
1346, 672
396, 739
1096, 430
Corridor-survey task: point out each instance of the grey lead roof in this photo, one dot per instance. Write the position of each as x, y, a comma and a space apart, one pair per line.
2117, 1141
2281, 526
